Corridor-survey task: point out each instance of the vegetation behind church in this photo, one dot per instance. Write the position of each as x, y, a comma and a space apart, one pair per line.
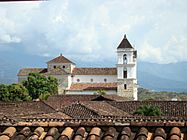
36, 86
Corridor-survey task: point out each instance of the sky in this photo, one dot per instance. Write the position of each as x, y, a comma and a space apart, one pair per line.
91, 30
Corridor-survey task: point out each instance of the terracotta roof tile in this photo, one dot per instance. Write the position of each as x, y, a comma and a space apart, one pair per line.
94, 71
110, 134
78, 110
18, 110
160, 133
60, 59
104, 109
57, 71
169, 108
94, 132
93, 86
175, 131
67, 133
26, 71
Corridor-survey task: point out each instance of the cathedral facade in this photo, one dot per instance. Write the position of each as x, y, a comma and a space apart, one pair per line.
120, 80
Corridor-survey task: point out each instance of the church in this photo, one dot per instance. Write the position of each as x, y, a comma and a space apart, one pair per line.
120, 80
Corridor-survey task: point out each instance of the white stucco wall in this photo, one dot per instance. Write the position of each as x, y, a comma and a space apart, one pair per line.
68, 66
108, 92
96, 78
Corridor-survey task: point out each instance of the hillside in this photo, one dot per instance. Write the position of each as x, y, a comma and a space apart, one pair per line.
145, 94
163, 77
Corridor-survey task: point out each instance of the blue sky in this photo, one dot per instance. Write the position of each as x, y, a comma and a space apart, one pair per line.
90, 30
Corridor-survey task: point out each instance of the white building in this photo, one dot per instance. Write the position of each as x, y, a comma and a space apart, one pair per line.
120, 80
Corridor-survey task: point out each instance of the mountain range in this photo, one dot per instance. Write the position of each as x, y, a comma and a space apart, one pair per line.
153, 76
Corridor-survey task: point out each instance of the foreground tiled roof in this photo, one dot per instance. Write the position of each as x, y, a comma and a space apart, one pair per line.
60, 59
26, 71
93, 86
95, 119
94, 71
93, 133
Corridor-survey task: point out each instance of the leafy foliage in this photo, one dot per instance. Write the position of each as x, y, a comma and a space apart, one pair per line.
148, 111
100, 92
14, 92
38, 85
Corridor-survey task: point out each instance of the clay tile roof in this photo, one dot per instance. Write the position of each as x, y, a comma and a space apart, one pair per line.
94, 71
175, 131
26, 71
67, 133
78, 110
93, 86
124, 43
168, 108
17, 110
103, 108
160, 132
110, 133
96, 132
57, 71
60, 59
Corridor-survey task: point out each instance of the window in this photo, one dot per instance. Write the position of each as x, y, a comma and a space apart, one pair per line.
91, 80
105, 80
63, 66
125, 74
78, 80
124, 59
54, 67
125, 86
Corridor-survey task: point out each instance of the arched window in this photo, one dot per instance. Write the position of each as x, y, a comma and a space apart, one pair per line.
105, 80
78, 80
91, 80
125, 86
54, 67
125, 59
63, 67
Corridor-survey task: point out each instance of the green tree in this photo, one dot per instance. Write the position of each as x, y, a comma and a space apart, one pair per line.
4, 93
39, 85
18, 92
14, 92
100, 92
148, 111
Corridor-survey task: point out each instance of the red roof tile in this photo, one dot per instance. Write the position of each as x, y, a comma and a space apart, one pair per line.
94, 71
60, 59
88, 133
104, 109
94, 86
57, 71
26, 71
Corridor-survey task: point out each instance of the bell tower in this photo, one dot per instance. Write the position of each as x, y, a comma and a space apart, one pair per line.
126, 70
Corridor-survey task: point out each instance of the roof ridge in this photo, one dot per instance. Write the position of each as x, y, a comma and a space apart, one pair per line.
81, 103
60, 59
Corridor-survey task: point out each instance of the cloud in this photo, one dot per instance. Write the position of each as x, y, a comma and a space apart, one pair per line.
91, 30
9, 39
